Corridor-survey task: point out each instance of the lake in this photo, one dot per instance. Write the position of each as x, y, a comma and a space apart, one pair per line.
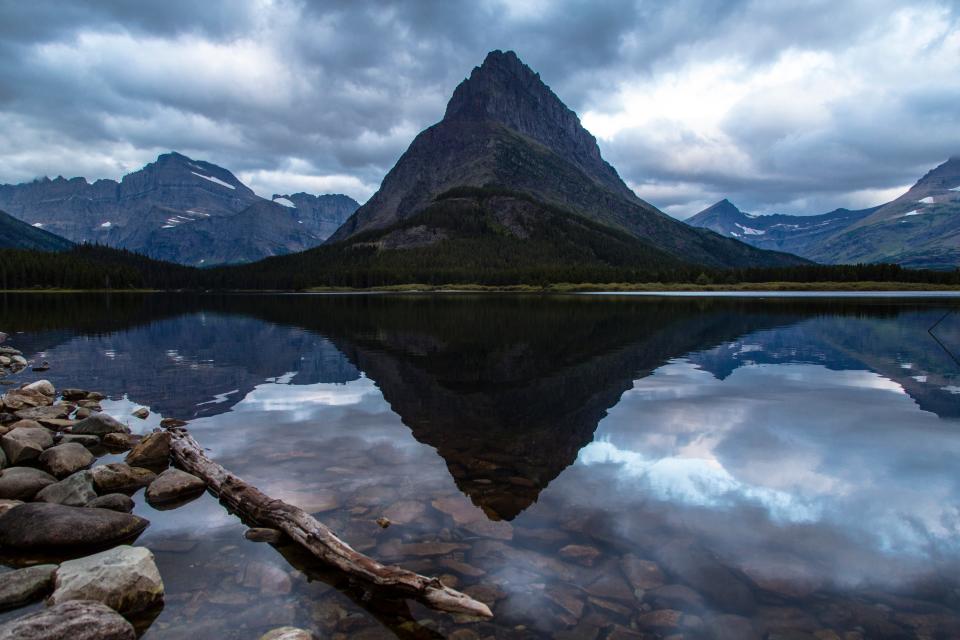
593, 466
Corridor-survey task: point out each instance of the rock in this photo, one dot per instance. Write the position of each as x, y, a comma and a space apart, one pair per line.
151, 451
18, 399
660, 619
174, 485
263, 534
43, 386
23, 483
124, 578
23, 444
93, 405
642, 574
74, 491
100, 424
23, 586
382, 522
74, 394
676, 596
169, 423
580, 553
79, 438
113, 501
3, 456
119, 477
143, 413
6, 505
53, 412
43, 366
268, 578
67, 458
120, 441
40, 525
462, 568
405, 511
96, 396
82, 413
702, 571
57, 424
287, 633
75, 620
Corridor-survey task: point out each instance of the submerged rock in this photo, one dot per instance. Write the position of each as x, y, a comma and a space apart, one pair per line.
288, 633
583, 554
174, 485
120, 441
6, 505
43, 526
119, 477
23, 483
75, 620
23, 586
124, 578
66, 458
74, 491
23, 444
113, 501
100, 424
153, 450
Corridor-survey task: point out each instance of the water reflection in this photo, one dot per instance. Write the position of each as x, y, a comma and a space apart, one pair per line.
756, 467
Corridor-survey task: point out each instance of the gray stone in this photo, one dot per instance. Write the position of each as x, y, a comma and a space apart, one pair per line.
288, 633
113, 501
79, 438
3, 457
53, 412
124, 578
6, 505
173, 485
22, 444
119, 477
66, 458
23, 586
143, 413
74, 620
74, 394
43, 386
23, 483
74, 491
100, 424
40, 525
151, 451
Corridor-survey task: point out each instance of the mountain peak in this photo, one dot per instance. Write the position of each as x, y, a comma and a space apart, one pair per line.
943, 176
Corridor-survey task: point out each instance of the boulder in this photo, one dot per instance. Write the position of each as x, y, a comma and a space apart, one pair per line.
100, 424
23, 444
53, 412
79, 438
3, 456
44, 526
113, 501
6, 505
43, 386
120, 441
23, 483
74, 491
124, 578
288, 633
23, 586
170, 423
153, 450
67, 458
74, 620
18, 399
174, 485
74, 394
119, 477
143, 413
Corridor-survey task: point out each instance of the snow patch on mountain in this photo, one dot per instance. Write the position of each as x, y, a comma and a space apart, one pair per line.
285, 202
750, 231
212, 179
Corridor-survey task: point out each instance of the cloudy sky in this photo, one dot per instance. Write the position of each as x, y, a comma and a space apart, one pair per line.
794, 107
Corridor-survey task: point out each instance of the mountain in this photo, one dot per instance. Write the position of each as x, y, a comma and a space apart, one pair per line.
320, 215
177, 209
920, 229
506, 132
15, 234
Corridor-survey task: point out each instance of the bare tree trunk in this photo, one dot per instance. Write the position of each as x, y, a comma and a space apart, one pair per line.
314, 536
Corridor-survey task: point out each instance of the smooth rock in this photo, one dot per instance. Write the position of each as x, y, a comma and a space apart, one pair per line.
124, 578
22, 399
120, 441
74, 491
23, 444
3, 456
74, 394
173, 485
642, 574
152, 450
83, 412
583, 554
96, 396
23, 586
43, 386
100, 424
74, 620
6, 505
143, 413
79, 438
119, 477
405, 511
113, 501
67, 458
268, 578
263, 534
53, 412
23, 483
287, 633
40, 525
169, 423
706, 574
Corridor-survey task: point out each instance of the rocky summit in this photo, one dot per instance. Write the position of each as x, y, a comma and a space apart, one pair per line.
506, 132
175, 208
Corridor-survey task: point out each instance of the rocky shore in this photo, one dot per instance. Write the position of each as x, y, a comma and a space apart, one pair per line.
66, 527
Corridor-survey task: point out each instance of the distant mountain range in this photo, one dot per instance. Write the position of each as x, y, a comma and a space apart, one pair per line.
920, 229
510, 168
178, 209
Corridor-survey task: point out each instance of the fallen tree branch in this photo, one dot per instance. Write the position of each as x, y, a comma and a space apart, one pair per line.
311, 534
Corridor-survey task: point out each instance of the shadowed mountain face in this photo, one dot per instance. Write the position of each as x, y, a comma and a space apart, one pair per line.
920, 229
175, 209
15, 234
505, 129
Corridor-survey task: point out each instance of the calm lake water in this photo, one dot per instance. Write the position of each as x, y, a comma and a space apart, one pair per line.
591, 466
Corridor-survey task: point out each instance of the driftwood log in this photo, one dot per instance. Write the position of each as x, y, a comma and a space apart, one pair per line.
311, 534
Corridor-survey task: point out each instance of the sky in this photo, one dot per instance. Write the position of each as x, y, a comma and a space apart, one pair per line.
787, 107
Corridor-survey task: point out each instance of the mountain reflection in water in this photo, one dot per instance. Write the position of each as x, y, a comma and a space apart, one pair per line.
789, 465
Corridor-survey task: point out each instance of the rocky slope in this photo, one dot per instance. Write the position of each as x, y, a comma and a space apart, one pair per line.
176, 209
15, 234
505, 129
920, 229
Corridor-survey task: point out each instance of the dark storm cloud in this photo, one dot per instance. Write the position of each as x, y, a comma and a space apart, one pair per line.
800, 106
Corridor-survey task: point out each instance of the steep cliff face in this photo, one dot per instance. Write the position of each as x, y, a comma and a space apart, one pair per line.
505, 129
320, 215
15, 234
